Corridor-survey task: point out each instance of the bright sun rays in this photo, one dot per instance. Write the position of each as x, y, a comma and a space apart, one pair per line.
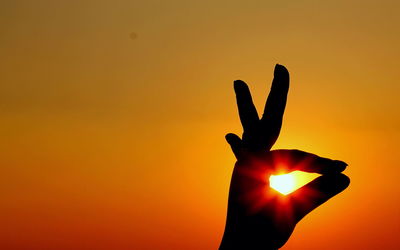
287, 183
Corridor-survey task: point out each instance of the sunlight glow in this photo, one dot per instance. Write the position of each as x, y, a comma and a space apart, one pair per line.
287, 183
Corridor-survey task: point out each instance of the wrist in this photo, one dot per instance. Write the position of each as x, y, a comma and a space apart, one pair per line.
232, 240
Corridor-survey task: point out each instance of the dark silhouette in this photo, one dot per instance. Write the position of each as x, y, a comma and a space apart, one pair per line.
258, 216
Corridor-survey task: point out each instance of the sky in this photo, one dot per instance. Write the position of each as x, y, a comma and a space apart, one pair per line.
113, 116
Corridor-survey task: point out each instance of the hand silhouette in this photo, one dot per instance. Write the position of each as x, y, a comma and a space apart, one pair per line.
258, 216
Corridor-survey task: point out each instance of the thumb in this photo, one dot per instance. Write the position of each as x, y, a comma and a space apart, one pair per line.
317, 192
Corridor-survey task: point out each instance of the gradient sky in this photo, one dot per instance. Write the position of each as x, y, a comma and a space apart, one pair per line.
113, 116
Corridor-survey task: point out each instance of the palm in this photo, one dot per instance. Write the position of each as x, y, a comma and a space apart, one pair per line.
259, 217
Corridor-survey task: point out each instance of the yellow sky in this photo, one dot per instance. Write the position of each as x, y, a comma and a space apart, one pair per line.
116, 141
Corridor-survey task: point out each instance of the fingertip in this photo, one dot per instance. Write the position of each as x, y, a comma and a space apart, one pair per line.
280, 70
228, 137
334, 183
232, 138
337, 183
235, 142
239, 85
341, 165
344, 180
328, 166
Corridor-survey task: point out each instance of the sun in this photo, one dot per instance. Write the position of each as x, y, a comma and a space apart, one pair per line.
287, 183
283, 183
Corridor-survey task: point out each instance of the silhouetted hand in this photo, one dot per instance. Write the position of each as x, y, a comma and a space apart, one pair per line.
258, 216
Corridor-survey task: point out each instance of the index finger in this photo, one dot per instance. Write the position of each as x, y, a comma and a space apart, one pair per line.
291, 160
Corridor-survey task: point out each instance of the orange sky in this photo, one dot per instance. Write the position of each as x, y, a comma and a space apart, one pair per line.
116, 141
